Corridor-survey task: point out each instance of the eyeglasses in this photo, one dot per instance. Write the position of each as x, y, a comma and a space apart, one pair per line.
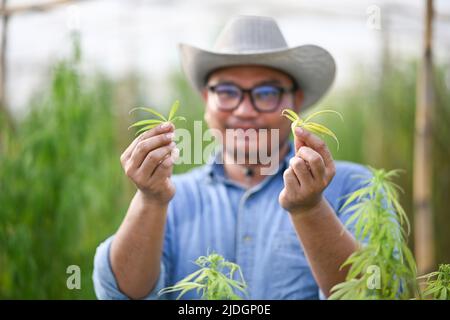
264, 98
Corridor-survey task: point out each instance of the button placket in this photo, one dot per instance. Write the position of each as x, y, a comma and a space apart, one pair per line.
246, 236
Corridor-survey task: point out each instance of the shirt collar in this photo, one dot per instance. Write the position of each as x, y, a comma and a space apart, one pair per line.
215, 171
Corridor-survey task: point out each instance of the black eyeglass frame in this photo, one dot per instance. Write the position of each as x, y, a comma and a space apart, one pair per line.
243, 91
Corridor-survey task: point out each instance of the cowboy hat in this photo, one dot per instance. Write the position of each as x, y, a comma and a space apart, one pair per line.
255, 40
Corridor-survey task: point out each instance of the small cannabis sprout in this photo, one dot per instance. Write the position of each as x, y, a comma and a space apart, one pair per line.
383, 267
311, 126
438, 283
214, 281
151, 123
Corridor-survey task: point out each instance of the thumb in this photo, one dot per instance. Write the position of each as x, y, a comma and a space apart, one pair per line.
298, 141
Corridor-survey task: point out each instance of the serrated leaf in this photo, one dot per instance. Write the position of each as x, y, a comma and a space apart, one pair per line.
178, 118
154, 112
146, 128
211, 280
320, 129
173, 110
290, 114
321, 112
145, 122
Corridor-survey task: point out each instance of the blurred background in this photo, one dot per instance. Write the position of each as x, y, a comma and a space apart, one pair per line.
71, 70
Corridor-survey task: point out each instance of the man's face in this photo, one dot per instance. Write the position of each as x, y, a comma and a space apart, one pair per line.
245, 116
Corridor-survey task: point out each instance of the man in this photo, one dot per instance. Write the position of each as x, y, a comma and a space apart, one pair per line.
284, 229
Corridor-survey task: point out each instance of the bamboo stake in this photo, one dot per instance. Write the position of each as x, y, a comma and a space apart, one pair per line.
422, 189
8, 120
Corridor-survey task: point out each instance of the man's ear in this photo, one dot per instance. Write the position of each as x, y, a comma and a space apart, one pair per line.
298, 100
204, 94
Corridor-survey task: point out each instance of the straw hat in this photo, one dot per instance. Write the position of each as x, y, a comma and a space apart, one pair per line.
255, 40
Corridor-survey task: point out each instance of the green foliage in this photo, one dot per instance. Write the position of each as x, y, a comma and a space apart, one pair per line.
151, 123
379, 112
441, 163
438, 283
61, 186
214, 280
378, 220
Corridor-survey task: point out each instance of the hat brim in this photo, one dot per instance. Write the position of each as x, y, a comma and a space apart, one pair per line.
312, 67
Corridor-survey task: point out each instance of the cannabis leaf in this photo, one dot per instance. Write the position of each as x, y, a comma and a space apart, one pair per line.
381, 225
151, 123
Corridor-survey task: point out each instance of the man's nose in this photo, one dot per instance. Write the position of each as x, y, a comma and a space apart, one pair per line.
245, 108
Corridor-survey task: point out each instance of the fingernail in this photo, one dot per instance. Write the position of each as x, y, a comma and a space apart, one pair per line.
170, 135
165, 125
291, 162
169, 160
299, 130
172, 144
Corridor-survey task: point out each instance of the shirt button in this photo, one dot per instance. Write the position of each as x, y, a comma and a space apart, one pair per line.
247, 239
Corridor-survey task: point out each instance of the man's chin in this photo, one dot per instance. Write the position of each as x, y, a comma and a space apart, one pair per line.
247, 154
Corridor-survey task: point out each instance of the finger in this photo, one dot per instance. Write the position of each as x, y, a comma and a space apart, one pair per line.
163, 170
298, 142
315, 161
315, 143
144, 147
301, 171
163, 128
154, 158
290, 180
175, 154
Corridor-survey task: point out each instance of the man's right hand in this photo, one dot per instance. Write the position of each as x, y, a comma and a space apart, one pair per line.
148, 162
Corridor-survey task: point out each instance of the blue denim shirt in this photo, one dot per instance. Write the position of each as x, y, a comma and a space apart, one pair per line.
210, 213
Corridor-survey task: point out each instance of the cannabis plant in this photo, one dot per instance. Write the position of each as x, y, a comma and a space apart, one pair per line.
214, 280
309, 125
383, 267
54, 151
438, 283
151, 123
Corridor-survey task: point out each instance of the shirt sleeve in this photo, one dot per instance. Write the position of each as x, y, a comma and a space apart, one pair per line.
105, 283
